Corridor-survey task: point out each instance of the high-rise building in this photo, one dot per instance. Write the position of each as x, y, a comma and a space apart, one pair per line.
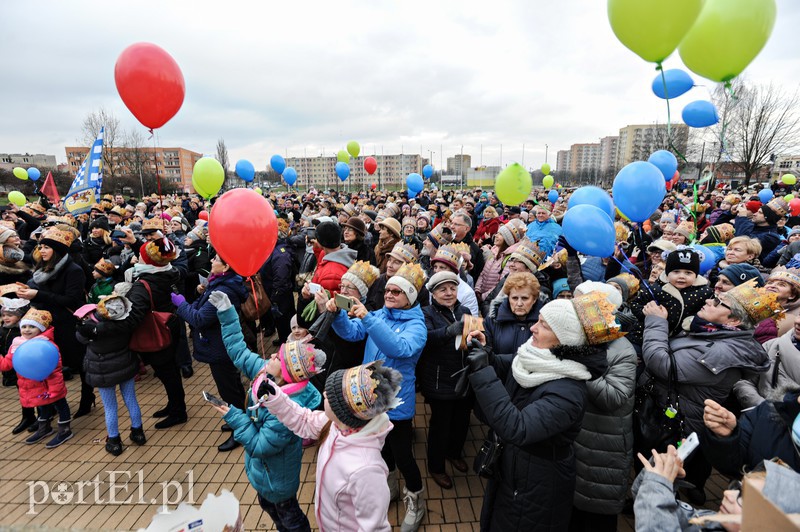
608, 153
637, 142
26, 160
563, 159
458, 164
320, 172
584, 158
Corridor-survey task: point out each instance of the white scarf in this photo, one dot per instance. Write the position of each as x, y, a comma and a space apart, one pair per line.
533, 366
131, 274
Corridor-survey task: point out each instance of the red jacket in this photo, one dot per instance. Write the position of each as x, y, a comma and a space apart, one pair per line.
331, 267
36, 393
486, 229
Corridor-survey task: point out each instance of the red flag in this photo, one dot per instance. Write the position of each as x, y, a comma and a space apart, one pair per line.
50, 190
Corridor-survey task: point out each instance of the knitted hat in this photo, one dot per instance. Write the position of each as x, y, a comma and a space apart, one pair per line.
404, 252
329, 235
776, 209
628, 283
104, 267
740, 273
440, 235
151, 225
101, 222
441, 278
41, 319
668, 217
529, 254
362, 274
356, 224
158, 252
15, 306
113, 307
562, 318
300, 361
513, 231
721, 233
392, 225
753, 206
449, 256
356, 395
611, 293
409, 278
59, 240
685, 228
6, 231
391, 210
683, 259
559, 286
757, 302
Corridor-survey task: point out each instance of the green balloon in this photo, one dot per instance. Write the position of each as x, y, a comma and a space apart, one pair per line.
343, 157
20, 173
727, 36
208, 176
546, 169
789, 179
652, 29
548, 181
17, 198
513, 185
788, 197
353, 149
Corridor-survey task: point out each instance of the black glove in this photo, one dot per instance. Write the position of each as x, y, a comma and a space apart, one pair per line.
88, 329
267, 387
455, 328
478, 357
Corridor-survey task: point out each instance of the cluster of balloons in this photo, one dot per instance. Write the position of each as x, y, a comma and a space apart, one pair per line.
31, 173
36, 359
513, 185
343, 161
414, 184
675, 82
208, 177
278, 164
589, 222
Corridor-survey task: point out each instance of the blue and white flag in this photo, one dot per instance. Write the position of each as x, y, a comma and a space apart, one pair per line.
85, 189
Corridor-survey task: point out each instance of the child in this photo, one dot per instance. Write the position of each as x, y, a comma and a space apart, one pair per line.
680, 289
45, 394
109, 363
12, 311
299, 334
272, 453
103, 280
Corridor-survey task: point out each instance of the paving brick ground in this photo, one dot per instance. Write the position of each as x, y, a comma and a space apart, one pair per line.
178, 455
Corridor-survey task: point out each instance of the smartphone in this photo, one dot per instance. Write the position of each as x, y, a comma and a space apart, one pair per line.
343, 302
314, 288
116, 233
213, 399
688, 446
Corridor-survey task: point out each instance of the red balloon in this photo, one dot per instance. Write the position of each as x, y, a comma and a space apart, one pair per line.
373, 186
668, 185
676, 176
203, 215
150, 83
794, 205
243, 229
370, 165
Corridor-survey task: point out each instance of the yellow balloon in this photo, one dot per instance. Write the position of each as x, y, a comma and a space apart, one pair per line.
20, 173
513, 185
258, 191
17, 198
343, 157
208, 176
788, 197
548, 181
789, 179
353, 148
546, 169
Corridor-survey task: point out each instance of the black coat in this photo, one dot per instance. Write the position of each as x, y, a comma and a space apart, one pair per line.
109, 361
535, 483
162, 284
476, 256
505, 333
440, 359
278, 279
363, 251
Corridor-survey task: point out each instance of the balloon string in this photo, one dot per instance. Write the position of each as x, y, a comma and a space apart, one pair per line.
253, 291
158, 175
640, 277
660, 68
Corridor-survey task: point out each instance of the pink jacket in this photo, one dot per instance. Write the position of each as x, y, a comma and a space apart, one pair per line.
36, 393
352, 492
492, 272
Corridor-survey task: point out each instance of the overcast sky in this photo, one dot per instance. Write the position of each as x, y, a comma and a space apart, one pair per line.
303, 77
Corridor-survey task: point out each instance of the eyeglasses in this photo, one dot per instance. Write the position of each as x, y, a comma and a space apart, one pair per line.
719, 303
736, 485
348, 288
393, 292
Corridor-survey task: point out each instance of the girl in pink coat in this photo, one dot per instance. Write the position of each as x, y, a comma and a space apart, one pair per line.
352, 492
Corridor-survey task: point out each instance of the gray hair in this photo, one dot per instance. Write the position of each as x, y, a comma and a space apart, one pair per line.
739, 313
465, 218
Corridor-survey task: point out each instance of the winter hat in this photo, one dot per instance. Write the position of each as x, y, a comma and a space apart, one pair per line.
300, 361
513, 231
6, 231
529, 254
404, 252
392, 225
661, 245
362, 274
356, 224
562, 318
101, 222
740, 273
329, 235
683, 259
104, 267
41, 319
776, 209
441, 278
15, 306
113, 307
721, 233
668, 217
611, 293
559, 286
628, 283
440, 235
753, 206
158, 252
409, 278
59, 240
356, 395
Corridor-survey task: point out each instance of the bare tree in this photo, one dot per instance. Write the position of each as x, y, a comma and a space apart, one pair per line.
222, 157
135, 157
111, 136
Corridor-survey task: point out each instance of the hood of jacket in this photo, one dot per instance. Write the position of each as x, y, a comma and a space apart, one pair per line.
372, 436
345, 256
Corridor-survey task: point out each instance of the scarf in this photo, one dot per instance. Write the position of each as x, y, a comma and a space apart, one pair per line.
139, 268
534, 366
219, 275
699, 325
41, 277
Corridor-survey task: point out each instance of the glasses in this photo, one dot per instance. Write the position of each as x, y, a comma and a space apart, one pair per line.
719, 303
393, 292
736, 485
347, 288
457, 224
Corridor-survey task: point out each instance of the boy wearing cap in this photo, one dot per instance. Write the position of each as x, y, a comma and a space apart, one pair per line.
762, 224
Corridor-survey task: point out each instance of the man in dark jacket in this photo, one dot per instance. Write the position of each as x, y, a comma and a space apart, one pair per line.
277, 278
762, 225
461, 225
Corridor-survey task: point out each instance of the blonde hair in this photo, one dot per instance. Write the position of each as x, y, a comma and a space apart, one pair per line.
522, 281
751, 245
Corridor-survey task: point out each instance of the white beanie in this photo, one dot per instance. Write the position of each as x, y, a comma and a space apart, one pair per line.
612, 294
403, 284
560, 315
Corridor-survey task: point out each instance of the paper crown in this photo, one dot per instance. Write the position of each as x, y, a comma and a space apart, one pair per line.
412, 273
631, 281
779, 206
410, 220
38, 208
362, 274
404, 252
300, 361
733, 199
358, 390
8, 224
513, 231
113, 307
757, 302
54, 235
685, 228
440, 235
119, 211
153, 224
530, 254
39, 318
596, 314
791, 276
721, 233
448, 255
622, 232
559, 256
104, 267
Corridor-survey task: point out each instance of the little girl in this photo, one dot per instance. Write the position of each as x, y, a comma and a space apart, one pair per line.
103, 275
47, 394
109, 363
11, 312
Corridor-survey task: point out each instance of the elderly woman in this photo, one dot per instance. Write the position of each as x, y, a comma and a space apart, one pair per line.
390, 234
511, 326
534, 402
504, 245
440, 367
526, 257
740, 250
786, 285
488, 227
449, 259
395, 334
354, 231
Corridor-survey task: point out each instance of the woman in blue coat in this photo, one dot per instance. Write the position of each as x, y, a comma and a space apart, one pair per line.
207, 335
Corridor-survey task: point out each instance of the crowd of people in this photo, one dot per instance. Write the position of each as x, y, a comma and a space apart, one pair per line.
576, 366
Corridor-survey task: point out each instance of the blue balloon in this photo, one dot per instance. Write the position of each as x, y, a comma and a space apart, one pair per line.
707, 258
552, 196
36, 359
277, 163
342, 170
589, 230
411, 193
414, 182
638, 190
245, 170
427, 171
701, 113
34, 173
596, 196
290, 175
666, 162
678, 83
765, 195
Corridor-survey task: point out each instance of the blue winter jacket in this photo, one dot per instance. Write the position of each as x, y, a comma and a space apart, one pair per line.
545, 233
201, 315
273, 453
395, 336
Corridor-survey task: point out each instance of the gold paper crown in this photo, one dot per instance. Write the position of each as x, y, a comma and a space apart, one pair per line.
621, 231
362, 272
686, 228
7, 289
119, 211
596, 314
409, 220
791, 276
358, 388
404, 252
757, 302
631, 281
56, 235
779, 206
462, 248
412, 273
153, 224
297, 361
722, 232
449, 255
733, 199
8, 224
39, 316
559, 256
439, 236
38, 208
530, 253
104, 266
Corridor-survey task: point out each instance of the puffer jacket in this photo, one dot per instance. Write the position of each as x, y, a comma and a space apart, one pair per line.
273, 454
440, 359
505, 333
492, 271
278, 279
36, 393
202, 317
604, 446
545, 233
109, 361
782, 376
331, 267
486, 230
708, 365
375, 294
396, 336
